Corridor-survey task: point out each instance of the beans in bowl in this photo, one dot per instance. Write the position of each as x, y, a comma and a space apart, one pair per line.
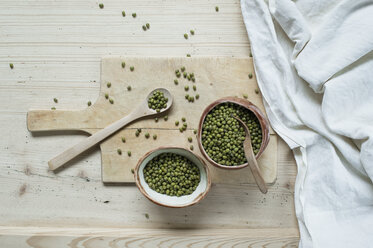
222, 135
172, 174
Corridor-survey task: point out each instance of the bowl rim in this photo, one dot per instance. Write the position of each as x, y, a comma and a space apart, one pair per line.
195, 201
264, 125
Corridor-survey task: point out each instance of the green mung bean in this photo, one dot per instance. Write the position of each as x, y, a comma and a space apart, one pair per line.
11, 65
108, 84
223, 136
89, 103
123, 13
157, 101
172, 174
101, 5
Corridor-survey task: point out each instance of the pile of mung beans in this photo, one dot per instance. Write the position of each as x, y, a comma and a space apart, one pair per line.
172, 174
223, 136
157, 101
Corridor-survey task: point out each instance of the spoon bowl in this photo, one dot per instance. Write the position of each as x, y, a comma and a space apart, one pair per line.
166, 94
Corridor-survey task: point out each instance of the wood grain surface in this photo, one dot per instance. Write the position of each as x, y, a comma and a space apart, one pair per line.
216, 77
56, 48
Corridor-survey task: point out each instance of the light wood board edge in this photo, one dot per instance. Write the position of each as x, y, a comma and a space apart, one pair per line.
40, 237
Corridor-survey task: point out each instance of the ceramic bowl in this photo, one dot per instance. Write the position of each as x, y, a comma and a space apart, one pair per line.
246, 104
173, 201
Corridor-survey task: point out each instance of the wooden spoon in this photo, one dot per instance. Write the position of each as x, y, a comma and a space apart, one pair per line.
249, 154
141, 111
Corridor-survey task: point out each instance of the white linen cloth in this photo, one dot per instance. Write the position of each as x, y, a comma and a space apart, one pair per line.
314, 65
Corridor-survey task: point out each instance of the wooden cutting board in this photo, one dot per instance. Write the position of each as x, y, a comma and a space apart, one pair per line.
216, 77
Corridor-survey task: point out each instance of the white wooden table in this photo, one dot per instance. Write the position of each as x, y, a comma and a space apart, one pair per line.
56, 47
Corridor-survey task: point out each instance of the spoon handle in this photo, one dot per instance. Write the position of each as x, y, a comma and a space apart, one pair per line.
254, 166
251, 160
92, 140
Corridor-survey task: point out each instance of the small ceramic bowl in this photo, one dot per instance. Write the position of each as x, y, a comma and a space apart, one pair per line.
173, 201
246, 104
